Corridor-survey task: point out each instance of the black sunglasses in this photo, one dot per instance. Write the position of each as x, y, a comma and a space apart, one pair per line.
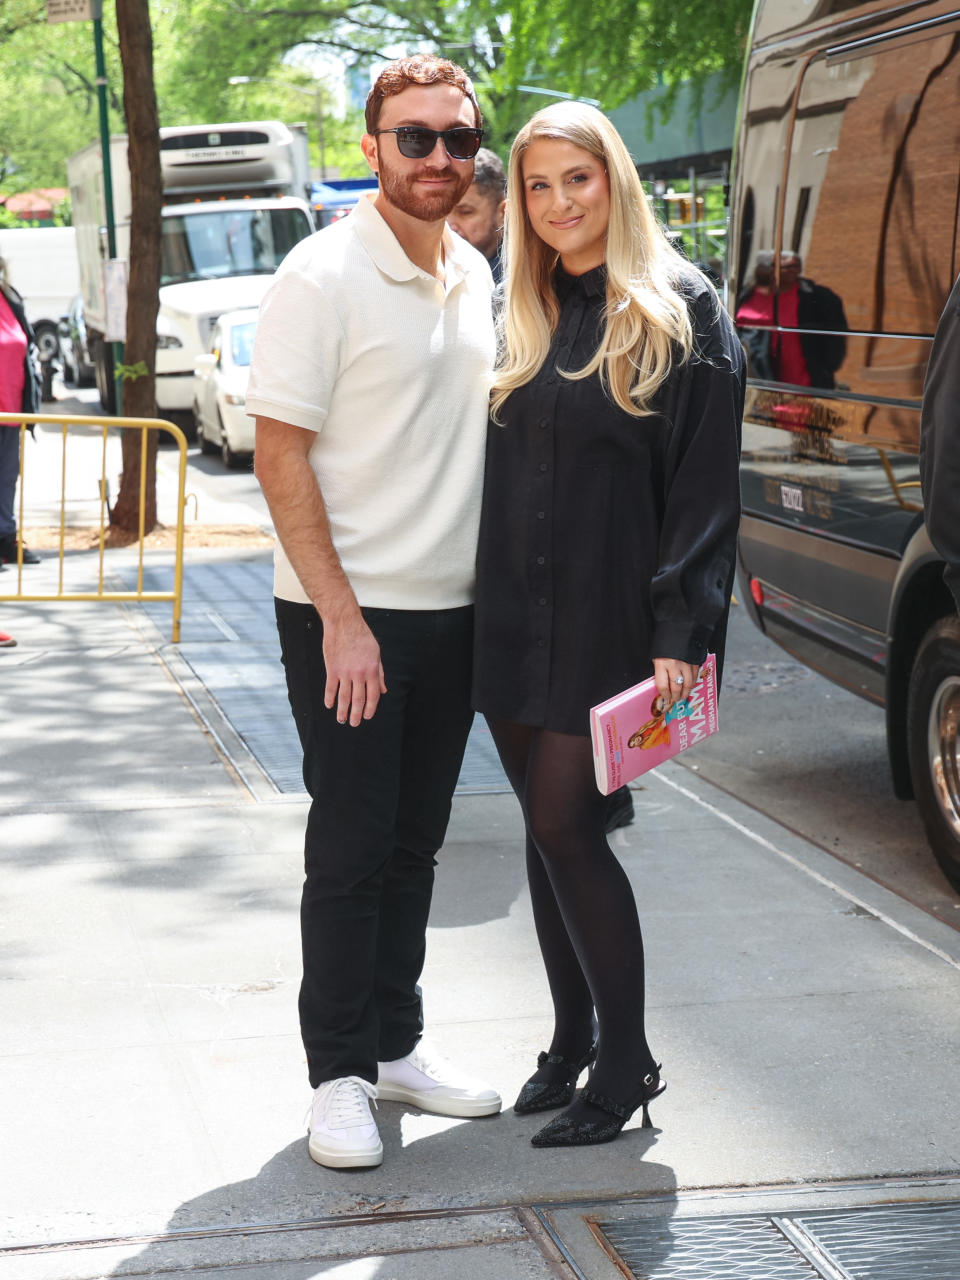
417, 142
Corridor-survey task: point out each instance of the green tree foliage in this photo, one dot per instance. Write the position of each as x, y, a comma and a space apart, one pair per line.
609, 50
48, 101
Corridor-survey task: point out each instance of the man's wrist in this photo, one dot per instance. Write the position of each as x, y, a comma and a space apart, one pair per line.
339, 612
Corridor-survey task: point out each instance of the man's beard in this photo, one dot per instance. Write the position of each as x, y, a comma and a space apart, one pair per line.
401, 190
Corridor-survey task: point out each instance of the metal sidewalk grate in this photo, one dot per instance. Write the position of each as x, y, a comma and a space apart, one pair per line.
716, 1249
902, 1242
913, 1242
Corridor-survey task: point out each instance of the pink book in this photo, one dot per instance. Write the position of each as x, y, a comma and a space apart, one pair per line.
631, 734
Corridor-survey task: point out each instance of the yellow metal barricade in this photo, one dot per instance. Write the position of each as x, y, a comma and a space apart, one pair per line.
66, 423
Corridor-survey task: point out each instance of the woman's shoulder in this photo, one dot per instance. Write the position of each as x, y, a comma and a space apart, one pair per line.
714, 336
694, 287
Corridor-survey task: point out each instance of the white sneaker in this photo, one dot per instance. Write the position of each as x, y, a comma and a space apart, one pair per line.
429, 1082
343, 1132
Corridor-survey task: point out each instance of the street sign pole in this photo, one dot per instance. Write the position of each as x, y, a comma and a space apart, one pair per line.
97, 9
86, 11
104, 125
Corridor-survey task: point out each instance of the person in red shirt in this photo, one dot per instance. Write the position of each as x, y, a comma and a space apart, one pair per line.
19, 392
765, 314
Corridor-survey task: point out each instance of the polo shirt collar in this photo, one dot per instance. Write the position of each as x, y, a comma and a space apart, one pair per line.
387, 253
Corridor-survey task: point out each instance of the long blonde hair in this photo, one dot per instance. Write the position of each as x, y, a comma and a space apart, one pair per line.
647, 324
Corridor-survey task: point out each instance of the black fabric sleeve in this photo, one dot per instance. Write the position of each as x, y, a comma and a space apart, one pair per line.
940, 442
691, 588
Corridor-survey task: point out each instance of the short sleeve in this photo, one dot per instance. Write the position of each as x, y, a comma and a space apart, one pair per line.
297, 352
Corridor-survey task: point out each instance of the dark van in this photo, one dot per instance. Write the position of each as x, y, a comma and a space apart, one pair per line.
843, 249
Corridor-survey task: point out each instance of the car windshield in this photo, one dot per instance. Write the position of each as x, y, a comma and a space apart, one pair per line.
241, 342
228, 242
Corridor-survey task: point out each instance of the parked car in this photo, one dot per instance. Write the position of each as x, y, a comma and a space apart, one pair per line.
78, 369
220, 389
843, 249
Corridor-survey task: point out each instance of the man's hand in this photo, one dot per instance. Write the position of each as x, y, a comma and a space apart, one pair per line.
350, 650
675, 680
355, 680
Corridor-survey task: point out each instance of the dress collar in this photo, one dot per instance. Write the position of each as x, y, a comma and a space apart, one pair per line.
592, 284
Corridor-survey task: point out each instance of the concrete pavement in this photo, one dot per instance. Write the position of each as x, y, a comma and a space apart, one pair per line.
152, 1087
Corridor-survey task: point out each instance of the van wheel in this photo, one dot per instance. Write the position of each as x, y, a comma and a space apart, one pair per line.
933, 741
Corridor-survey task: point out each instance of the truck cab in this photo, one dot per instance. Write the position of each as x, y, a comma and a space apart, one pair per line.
234, 205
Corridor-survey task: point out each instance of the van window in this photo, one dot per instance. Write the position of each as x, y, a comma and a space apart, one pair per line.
766, 107
878, 234
779, 17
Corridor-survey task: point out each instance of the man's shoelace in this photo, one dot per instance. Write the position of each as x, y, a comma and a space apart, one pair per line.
432, 1064
346, 1104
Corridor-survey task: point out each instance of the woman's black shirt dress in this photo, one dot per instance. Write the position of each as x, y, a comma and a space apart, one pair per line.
606, 540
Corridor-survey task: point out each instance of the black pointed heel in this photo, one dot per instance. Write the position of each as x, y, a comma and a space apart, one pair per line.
544, 1095
567, 1130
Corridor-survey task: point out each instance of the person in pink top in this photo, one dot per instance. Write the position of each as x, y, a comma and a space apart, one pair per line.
19, 393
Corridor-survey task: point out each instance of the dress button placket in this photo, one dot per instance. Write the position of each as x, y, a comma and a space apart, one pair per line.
542, 441
542, 457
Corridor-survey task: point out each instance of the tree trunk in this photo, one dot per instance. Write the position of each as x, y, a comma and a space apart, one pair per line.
143, 285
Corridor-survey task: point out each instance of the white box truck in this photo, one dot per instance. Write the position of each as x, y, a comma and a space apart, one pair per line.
235, 202
42, 267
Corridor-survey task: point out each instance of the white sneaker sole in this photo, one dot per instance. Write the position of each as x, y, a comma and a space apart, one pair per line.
340, 1158
439, 1105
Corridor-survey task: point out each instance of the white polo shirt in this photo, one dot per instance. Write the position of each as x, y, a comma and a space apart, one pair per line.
392, 369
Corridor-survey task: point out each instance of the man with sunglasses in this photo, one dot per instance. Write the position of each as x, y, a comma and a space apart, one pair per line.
369, 383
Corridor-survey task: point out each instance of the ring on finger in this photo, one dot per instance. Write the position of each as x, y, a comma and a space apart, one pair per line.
679, 680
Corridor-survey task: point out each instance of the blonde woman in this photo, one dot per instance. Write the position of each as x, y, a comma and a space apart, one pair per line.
606, 554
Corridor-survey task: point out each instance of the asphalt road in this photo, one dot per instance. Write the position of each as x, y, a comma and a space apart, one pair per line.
792, 745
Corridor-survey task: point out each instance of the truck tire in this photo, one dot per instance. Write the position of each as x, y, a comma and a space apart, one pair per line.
102, 354
48, 341
933, 741
71, 376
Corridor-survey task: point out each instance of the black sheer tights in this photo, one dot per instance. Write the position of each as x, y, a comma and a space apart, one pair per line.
583, 905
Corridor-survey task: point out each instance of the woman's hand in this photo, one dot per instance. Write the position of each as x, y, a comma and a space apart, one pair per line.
674, 679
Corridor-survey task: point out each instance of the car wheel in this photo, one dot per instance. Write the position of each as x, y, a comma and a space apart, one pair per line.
206, 445
234, 461
933, 741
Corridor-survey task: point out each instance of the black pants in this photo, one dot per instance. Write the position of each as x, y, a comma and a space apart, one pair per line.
381, 797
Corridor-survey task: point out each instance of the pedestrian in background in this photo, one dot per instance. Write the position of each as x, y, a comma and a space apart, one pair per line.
369, 381
19, 393
940, 442
478, 216
606, 554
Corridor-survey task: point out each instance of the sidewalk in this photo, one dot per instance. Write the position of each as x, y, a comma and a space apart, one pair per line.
152, 1087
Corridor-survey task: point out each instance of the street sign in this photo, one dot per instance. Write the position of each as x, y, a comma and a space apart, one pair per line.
115, 293
69, 10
